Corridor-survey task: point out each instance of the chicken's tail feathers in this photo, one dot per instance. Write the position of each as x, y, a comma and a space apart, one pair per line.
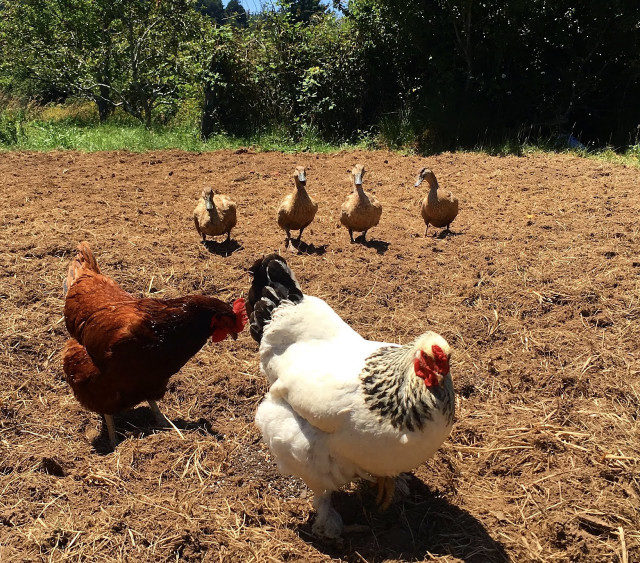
83, 260
273, 282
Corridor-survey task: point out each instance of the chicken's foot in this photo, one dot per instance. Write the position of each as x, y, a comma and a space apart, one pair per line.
161, 419
111, 430
386, 489
328, 523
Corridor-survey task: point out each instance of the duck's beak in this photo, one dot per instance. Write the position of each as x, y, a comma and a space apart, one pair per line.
358, 179
418, 181
302, 176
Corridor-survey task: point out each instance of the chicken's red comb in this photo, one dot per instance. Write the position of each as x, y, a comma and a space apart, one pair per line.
240, 309
441, 359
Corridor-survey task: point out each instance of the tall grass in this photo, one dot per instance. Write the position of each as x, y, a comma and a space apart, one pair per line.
55, 135
76, 127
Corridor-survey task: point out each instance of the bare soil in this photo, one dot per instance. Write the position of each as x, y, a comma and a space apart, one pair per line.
537, 290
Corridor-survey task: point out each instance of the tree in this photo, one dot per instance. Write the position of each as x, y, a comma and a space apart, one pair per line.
303, 10
63, 47
133, 54
484, 71
212, 8
235, 14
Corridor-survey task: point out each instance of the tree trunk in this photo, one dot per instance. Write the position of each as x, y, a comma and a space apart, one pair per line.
207, 122
103, 101
147, 115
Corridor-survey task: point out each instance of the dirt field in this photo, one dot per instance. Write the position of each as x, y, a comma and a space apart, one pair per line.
537, 290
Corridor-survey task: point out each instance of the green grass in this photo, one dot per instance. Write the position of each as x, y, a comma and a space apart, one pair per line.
630, 157
89, 137
77, 128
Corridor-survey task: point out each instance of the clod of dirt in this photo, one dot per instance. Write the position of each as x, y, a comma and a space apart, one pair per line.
51, 466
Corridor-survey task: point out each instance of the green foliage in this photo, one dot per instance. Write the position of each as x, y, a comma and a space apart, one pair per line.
11, 127
302, 10
431, 74
140, 55
478, 71
296, 76
235, 14
68, 128
211, 8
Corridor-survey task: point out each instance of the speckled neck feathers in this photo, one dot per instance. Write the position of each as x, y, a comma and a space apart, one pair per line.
395, 394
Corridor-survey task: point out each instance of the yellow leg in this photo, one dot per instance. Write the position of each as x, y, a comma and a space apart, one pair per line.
111, 429
386, 489
161, 420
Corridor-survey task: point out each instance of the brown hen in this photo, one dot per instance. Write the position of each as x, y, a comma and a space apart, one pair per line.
123, 350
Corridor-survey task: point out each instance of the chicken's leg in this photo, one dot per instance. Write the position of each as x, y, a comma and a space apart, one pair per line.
328, 522
161, 420
386, 489
111, 430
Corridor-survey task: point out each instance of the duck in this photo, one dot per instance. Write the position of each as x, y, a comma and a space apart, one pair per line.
360, 211
215, 214
437, 210
297, 210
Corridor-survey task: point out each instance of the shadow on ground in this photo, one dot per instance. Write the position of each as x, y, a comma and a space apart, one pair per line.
304, 248
380, 246
416, 527
140, 422
224, 248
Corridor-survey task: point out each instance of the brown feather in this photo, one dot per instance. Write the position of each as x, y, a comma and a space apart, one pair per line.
437, 210
131, 346
297, 210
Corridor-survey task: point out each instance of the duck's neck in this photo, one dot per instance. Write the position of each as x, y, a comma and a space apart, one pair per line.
433, 191
212, 210
301, 191
358, 189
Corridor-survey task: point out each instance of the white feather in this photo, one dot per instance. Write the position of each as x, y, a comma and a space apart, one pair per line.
314, 418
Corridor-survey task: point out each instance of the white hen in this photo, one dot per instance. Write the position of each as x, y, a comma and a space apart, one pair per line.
342, 407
